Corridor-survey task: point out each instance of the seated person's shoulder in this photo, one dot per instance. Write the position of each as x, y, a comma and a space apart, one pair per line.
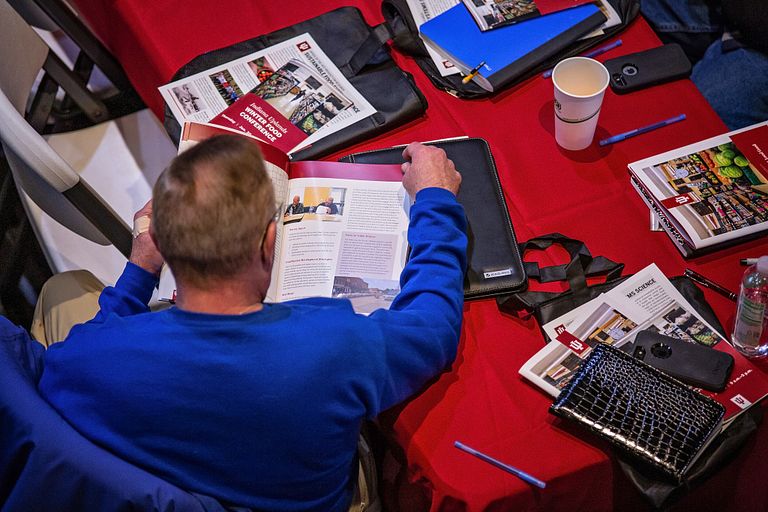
322, 303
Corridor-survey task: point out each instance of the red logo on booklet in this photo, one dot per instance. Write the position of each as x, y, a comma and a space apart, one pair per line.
303, 46
569, 340
675, 201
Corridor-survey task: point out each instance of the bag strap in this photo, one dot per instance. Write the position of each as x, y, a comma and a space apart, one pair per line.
581, 266
367, 51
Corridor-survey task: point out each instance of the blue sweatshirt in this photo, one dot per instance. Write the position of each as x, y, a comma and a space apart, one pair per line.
261, 410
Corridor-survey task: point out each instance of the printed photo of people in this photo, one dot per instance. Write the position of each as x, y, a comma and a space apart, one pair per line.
226, 86
323, 203
304, 99
261, 68
188, 97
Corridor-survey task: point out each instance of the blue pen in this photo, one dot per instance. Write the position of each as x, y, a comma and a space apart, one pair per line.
643, 129
593, 53
506, 467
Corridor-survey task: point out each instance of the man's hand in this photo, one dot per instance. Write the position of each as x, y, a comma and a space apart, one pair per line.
144, 253
427, 166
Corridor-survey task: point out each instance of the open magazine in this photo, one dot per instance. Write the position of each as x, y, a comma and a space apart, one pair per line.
342, 227
709, 194
295, 93
645, 301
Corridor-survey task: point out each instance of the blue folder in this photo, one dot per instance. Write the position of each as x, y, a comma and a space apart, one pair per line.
509, 51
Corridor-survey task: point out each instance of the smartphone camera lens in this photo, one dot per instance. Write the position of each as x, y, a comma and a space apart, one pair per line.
661, 350
629, 69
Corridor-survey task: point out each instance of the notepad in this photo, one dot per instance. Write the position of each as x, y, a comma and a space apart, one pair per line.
510, 51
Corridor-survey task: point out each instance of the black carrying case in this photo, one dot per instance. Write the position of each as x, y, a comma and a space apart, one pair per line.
359, 51
406, 39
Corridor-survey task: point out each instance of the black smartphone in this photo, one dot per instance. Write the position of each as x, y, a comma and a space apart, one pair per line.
650, 67
694, 364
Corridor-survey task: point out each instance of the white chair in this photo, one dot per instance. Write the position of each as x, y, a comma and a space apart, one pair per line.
80, 189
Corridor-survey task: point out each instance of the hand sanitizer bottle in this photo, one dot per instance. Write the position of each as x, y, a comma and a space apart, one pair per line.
750, 334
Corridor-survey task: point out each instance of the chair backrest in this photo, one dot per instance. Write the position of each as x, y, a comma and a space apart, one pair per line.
33, 14
37, 169
47, 465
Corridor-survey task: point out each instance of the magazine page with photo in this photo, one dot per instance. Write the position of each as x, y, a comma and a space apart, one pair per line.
709, 193
645, 301
351, 239
290, 95
490, 14
341, 227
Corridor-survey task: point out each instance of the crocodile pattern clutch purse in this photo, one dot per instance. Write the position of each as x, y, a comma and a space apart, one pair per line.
647, 414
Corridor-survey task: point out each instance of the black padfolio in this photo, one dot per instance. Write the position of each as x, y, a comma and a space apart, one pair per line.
654, 418
359, 51
495, 266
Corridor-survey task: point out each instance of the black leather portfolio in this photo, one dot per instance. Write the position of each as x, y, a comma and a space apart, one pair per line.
494, 263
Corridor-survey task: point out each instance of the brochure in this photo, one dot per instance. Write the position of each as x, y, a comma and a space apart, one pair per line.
293, 95
490, 14
342, 227
423, 11
709, 194
645, 301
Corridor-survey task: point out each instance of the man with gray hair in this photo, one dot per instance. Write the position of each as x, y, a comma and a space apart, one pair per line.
227, 396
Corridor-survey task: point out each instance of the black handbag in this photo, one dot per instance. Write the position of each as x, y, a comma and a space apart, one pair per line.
406, 39
359, 51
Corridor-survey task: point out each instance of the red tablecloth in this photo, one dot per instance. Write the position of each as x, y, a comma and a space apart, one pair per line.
482, 400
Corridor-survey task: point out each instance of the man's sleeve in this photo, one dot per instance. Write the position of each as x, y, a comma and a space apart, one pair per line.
421, 329
129, 296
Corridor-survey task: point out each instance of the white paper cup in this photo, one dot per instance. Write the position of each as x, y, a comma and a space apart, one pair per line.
580, 84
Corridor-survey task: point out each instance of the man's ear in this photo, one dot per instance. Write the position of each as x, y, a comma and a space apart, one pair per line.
268, 247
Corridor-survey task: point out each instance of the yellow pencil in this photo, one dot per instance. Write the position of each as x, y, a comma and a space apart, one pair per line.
472, 73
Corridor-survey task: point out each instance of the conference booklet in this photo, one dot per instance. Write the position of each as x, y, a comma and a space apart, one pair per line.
290, 94
710, 194
490, 14
497, 57
645, 301
341, 227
